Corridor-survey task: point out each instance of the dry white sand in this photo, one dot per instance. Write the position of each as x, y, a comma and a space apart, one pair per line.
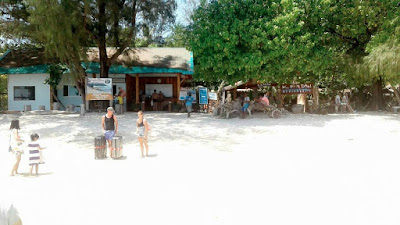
299, 169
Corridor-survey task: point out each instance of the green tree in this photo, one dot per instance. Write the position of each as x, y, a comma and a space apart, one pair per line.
267, 40
351, 27
117, 23
55, 71
59, 29
179, 36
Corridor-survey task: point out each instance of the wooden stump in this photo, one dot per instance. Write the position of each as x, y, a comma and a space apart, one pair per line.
100, 147
116, 144
27, 108
119, 109
70, 108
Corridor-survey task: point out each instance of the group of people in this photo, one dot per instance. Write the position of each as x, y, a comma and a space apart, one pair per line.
262, 98
109, 124
156, 100
17, 147
342, 103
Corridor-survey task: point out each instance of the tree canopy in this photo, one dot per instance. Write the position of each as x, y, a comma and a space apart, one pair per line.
288, 41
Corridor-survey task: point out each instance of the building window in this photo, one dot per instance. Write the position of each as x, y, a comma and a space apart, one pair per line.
24, 93
65, 90
71, 91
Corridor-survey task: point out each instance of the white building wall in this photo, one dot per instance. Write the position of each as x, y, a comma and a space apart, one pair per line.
68, 79
42, 91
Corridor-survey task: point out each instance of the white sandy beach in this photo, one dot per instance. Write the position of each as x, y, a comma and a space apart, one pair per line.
299, 169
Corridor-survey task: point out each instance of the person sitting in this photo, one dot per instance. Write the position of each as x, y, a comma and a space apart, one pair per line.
229, 97
263, 99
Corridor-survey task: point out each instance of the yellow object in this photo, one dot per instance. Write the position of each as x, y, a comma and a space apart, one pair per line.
120, 100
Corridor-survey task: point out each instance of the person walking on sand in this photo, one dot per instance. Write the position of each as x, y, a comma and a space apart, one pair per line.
109, 124
15, 145
142, 129
34, 153
188, 103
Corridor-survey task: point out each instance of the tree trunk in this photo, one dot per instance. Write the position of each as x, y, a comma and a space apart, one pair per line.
104, 67
56, 98
377, 95
80, 79
220, 88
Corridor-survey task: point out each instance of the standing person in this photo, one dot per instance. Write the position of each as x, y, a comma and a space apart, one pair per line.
337, 103
15, 145
121, 95
346, 103
188, 103
154, 98
34, 153
142, 129
246, 103
160, 100
109, 124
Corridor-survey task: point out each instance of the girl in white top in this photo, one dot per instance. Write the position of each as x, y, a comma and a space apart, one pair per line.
16, 145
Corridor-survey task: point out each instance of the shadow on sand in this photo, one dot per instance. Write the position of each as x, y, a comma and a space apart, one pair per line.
34, 175
121, 158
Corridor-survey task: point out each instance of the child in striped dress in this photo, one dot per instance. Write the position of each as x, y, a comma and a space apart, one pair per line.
34, 149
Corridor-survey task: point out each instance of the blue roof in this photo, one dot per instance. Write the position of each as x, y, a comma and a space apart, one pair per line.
95, 68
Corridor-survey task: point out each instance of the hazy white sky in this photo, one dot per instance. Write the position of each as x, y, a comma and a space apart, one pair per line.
179, 11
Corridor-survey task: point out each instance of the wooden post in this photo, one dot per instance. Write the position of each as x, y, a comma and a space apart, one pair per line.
178, 86
86, 101
279, 98
315, 98
137, 89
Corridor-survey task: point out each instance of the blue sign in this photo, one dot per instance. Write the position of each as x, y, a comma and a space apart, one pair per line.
203, 96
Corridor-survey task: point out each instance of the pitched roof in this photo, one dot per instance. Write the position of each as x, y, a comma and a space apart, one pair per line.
25, 58
169, 58
173, 58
